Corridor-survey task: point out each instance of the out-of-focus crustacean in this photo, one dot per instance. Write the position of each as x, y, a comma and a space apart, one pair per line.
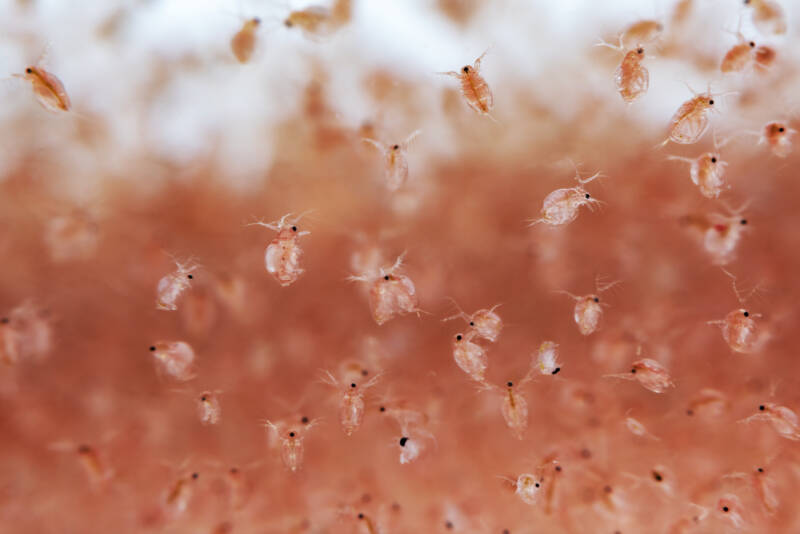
47, 88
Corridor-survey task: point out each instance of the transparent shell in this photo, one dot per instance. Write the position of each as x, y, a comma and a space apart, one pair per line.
587, 314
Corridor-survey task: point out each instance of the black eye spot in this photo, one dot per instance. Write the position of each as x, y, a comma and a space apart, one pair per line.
152, 349
690, 412
396, 147
537, 484
190, 277
361, 516
633, 370
353, 385
383, 408
506, 531
781, 129
465, 69
256, 20
510, 384
304, 420
746, 314
234, 470
607, 489
558, 468
657, 476
294, 228
386, 277
761, 408
596, 299
287, 23
403, 441
364, 372
84, 449
4, 320
556, 370
29, 70
711, 102
725, 509
472, 323
448, 525
458, 337
587, 195
640, 50
713, 160
203, 398
195, 475
760, 469
291, 434
743, 221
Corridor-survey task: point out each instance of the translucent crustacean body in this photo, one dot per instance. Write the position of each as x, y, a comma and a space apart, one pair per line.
291, 439
739, 328
179, 494
777, 135
514, 407
172, 286
47, 88
783, 420
474, 89
174, 359
282, 256
650, 374
390, 294
484, 323
707, 172
768, 16
395, 160
729, 508
209, 409
708, 402
243, 43
528, 488
642, 31
631, 77
638, 429
690, 122
72, 237
722, 236
562, 205
588, 308
352, 406
547, 358
470, 357
740, 57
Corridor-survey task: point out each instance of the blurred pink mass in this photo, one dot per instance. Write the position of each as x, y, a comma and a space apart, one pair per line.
396, 353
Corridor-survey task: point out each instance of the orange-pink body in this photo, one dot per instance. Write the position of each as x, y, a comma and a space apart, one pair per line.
179, 495
587, 314
643, 31
632, 77
764, 490
243, 43
484, 323
740, 57
174, 359
722, 236
209, 409
474, 88
291, 439
95, 470
515, 412
392, 295
740, 332
690, 122
172, 286
470, 357
778, 136
708, 402
783, 420
47, 89
395, 161
351, 407
768, 16
707, 172
765, 56
282, 257
651, 375
562, 205
729, 508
